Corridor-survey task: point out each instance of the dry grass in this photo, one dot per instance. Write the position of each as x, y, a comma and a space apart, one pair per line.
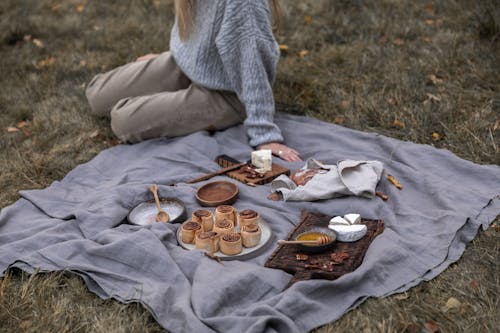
432, 66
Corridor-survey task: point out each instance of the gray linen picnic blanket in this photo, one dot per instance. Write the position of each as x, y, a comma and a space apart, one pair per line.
79, 224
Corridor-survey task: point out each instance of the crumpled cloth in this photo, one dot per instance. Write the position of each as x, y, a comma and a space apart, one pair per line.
347, 177
78, 224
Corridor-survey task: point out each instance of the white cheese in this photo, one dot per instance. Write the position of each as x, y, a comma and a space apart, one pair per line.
349, 233
262, 160
338, 220
353, 218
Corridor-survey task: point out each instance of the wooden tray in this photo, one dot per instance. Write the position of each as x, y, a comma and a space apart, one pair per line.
225, 161
284, 257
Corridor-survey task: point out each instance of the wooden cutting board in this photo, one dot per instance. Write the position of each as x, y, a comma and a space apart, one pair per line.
285, 256
225, 161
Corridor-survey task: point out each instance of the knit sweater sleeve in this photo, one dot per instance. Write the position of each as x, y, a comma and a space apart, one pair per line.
249, 55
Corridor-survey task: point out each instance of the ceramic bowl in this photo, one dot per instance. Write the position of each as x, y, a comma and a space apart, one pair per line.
217, 193
145, 212
317, 248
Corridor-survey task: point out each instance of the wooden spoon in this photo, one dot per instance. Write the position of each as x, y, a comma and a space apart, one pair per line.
161, 216
321, 240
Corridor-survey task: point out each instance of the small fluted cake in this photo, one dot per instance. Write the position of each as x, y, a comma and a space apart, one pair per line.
223, 226
231, 244
189, 229
207, 240
250, 235
225, 212
249, 217
205, 218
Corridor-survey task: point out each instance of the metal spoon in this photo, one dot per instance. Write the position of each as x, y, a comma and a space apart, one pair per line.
161, 216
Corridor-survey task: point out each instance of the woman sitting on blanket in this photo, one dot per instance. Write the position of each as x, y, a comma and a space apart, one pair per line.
218, 73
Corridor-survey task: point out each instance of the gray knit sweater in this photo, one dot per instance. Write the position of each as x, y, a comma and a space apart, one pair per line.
232, 47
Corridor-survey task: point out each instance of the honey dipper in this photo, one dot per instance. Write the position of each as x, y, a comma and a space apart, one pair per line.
321, 240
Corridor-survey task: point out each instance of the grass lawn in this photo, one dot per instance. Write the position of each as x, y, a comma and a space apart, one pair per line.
421, 71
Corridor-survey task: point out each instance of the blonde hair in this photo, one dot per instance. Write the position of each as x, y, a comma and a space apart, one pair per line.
184, 12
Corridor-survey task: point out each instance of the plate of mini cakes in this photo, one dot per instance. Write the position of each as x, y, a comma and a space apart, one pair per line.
225, 232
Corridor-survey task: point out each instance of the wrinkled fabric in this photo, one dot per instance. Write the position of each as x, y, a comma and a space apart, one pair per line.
347, 177
79, 224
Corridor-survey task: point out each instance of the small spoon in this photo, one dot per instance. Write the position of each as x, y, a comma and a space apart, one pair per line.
161, 216
322, 240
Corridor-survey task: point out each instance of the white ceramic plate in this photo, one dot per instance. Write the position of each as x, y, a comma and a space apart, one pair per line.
246, 253
145, 212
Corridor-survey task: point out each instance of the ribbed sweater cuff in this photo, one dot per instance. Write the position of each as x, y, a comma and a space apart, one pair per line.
269, 137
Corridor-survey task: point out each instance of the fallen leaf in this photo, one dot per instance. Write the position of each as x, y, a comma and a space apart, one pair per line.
21, 124
395, 182
434, 79
429, 8
339, 120
402, 296
27, 38
38, 43
496, 125
283, 48
431, 326
474, 284
80, 8
398, 123
307, 19
12, 129
430, 22
303, 53
47, 62
398, 42
382, 195
433, 97
94, 134
391, 100
436, 136
426, 39
452, 304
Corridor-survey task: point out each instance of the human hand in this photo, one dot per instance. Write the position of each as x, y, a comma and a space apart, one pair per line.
282, 151
147, 57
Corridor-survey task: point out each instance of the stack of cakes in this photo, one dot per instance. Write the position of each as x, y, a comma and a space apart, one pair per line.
226, 230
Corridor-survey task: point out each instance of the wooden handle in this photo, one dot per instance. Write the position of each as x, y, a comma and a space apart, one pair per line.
215, 173
154, 189
283, 242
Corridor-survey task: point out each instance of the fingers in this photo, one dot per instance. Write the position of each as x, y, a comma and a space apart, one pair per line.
292, 156
289, 155
282, 151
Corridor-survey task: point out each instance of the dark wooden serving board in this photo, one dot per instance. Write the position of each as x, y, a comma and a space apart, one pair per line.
284, 257
277, 170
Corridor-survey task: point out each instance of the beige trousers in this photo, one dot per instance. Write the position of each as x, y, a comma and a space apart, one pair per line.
153, 98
